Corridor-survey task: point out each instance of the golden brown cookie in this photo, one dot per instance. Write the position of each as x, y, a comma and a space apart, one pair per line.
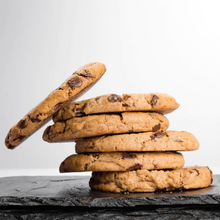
122, 161
112, 103
147, 141
150, 181
70, 90
95, 125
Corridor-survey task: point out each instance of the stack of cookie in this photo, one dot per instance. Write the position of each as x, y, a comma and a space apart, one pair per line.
125, 142
122, 139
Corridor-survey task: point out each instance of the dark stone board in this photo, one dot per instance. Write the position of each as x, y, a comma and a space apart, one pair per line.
139, 212
74, 191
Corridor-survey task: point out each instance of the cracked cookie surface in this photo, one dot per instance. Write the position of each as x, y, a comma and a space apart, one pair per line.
122, 161
147, 141
150, 181
96, 125
157, 102
76, 85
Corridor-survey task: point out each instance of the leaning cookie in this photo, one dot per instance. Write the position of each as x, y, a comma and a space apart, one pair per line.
154, 180
147, 141
70, 90
122, 161
95, 125
157, 102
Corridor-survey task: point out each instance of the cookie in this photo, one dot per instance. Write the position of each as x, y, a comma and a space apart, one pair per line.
150, 181
95, 125
157, 102
71, 89
147, 141
122, 161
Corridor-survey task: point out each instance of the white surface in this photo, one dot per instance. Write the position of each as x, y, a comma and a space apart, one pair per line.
147, 46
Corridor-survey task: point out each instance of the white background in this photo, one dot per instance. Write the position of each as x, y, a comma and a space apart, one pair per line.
162, 46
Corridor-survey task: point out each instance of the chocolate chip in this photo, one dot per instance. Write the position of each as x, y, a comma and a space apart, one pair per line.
86, 74
47, 131
79, 111
157, 135
127, 155
190, 171
210, 174
114, 98
80, 114
196, 171
156, 127
22, 124
36, 119
126, 97
83, 107
136, 166
75, 82
10, 146
178, 141
86, 166
20, 137
59, 88
155, 166
57, 106
125, 105
154, 100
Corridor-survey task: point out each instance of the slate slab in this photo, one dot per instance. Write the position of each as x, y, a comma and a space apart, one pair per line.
138, 212
74, 191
